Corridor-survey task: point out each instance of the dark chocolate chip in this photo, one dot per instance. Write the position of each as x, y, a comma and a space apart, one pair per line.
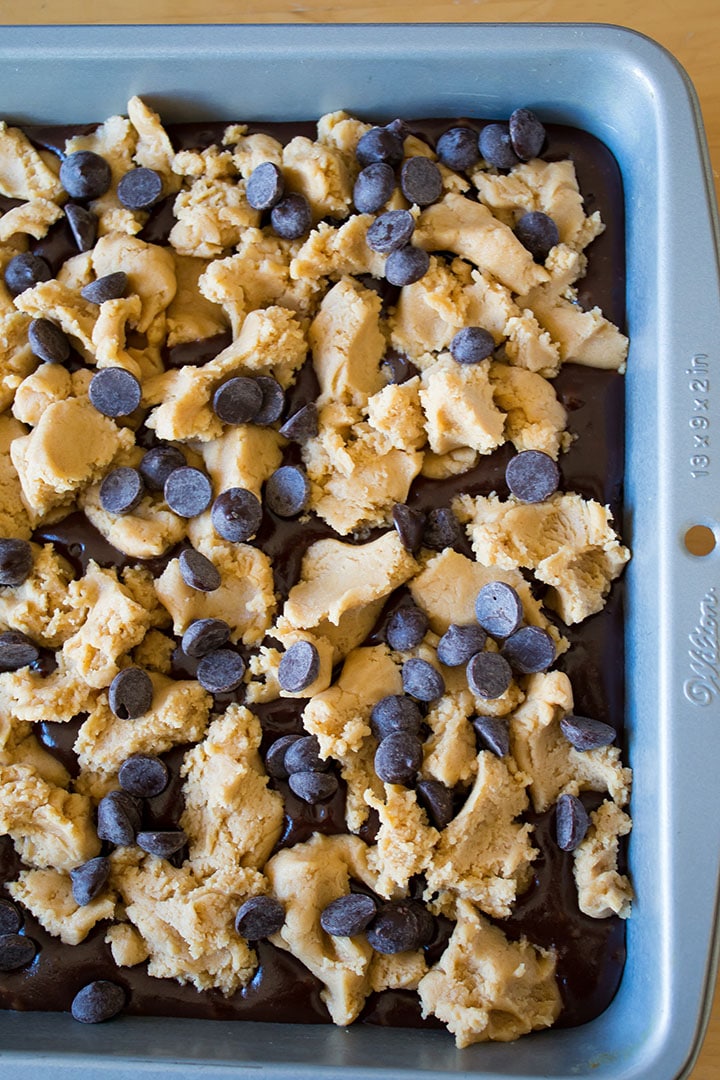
259, 917
400, 926
287, 491
303, 755
204, 636
122, 490
406, 628
390, 231
16, 651
89, 880
115, 392
299, 667
139, 189
198, 572
221, 671
496, 146
421, 181
586, 734
380, 144
395, 713
459, 643
348, 915
97, 1002
437, 801
48, 342
16, 951
131, 693
291, 218
488, 675
313, 787
527, 134
265, 186
571, 822
16, 561
532, 476
529, 649
538, 233
83, 225
109, 287
275, 756
493, 733
302, 425
85, 175
24, 272
421, 680
410, 525
118, 818
457, 148
498, 609
187, 491
471, 345
373, 187
442, 530
158, 463
237, 400
143, 775
397, 368
236, 515
161, 842
10, 917
273, 401
398, 758
406, 266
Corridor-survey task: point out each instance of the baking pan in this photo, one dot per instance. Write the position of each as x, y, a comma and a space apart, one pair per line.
630, 93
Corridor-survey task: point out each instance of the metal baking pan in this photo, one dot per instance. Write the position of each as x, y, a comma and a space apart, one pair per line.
629, 92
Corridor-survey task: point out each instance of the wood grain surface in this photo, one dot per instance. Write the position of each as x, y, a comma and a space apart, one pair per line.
690, 29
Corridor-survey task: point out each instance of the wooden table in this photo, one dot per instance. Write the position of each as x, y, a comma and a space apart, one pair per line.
690, 29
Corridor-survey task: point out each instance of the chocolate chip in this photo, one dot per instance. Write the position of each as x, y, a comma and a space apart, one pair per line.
494, 734
410, 525
437, 801
395, 713
527, 134
139, 189
10, 917
397, 368
421, 181
348, 915
16, 651
532, 476
48, 342
303, 755
158, 463
16, 951
121, 490
115, 392
89, 880
498, 609
496, 146
118, 818
109, 287
259, 917
422, 680
291, 218
237, 400
287, 491
273, 401
16, 561
400, 926
471, 345
373, 187
586, 734
204, 636
83, 225
457, 148
380, 144
302, 425
131, 693
275, 756
97, 1002
538, 233
529, 649
221, 671
24, 272
85, 175
198, 572
459, 643
313, 787
571, 822
406, 266
390, 231
488, 675
299, 667
161, 842
143, 775
236, 515
187, 491
265, 186
406, 628
442, 530
398, 758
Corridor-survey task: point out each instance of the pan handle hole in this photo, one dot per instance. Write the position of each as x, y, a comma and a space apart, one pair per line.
700, 540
